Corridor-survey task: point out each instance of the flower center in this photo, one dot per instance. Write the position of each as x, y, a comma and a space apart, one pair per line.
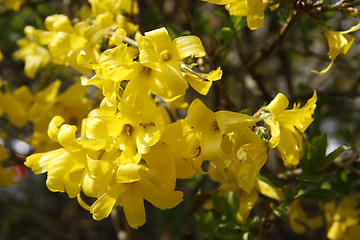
165, 55
127, 129
146, 71
215, 126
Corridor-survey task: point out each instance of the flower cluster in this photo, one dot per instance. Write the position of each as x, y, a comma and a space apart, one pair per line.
133, 147
129, 150
63, 40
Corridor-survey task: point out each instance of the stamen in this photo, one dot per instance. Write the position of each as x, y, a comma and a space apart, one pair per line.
183, 66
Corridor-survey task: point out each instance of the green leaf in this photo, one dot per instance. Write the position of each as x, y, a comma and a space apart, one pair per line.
330, 158
272, 181
227, 34
304, 162
233, 202
289, 195
224, 17
206, 222
319, 194
317, 152
221, 205
310, 178
238, 22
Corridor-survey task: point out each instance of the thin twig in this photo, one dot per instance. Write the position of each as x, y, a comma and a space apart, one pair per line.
188, 16
183, 66
267, 48
338, 6
225, 99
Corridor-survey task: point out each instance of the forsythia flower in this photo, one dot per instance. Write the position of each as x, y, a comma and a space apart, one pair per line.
343, 219
109, 13
252, 9
299, 221
339, 42
285, 124
13, 4
21, 106
118, 159
162, 56
212, 127
34, 55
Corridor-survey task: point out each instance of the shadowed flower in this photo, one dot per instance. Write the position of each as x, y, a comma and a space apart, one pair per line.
285, 124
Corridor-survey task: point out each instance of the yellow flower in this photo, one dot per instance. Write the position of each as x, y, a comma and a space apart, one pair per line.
162, 56
250, 153
34, 56
72, 105
299, 221
202, 85
14, 4
137, 126
110, 13
252, 9
213, 126
228, 181
342, 219
339, 42
16, 105
183, 145
227, 142
64, 166
269, 191
285, 124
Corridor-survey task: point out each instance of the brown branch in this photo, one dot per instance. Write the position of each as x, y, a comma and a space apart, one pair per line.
188, 16
337, 6
267, 48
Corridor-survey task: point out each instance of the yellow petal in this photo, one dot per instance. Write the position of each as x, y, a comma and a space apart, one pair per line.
82, 203
275, 132
278, 104
159, 161
352, 29
128, 173
133, 203
189, 46
301, 118
269, 191
160, 197
102, 207
97, 168
54, 128
232, 121
255, 13
246, 204
39, 162
160, 38
211, 146
118, 36
199, 84
336, 231
59, 23
219, 2
67, 136
324, 70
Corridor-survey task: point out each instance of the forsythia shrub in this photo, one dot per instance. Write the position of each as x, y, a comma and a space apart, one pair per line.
123, 129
